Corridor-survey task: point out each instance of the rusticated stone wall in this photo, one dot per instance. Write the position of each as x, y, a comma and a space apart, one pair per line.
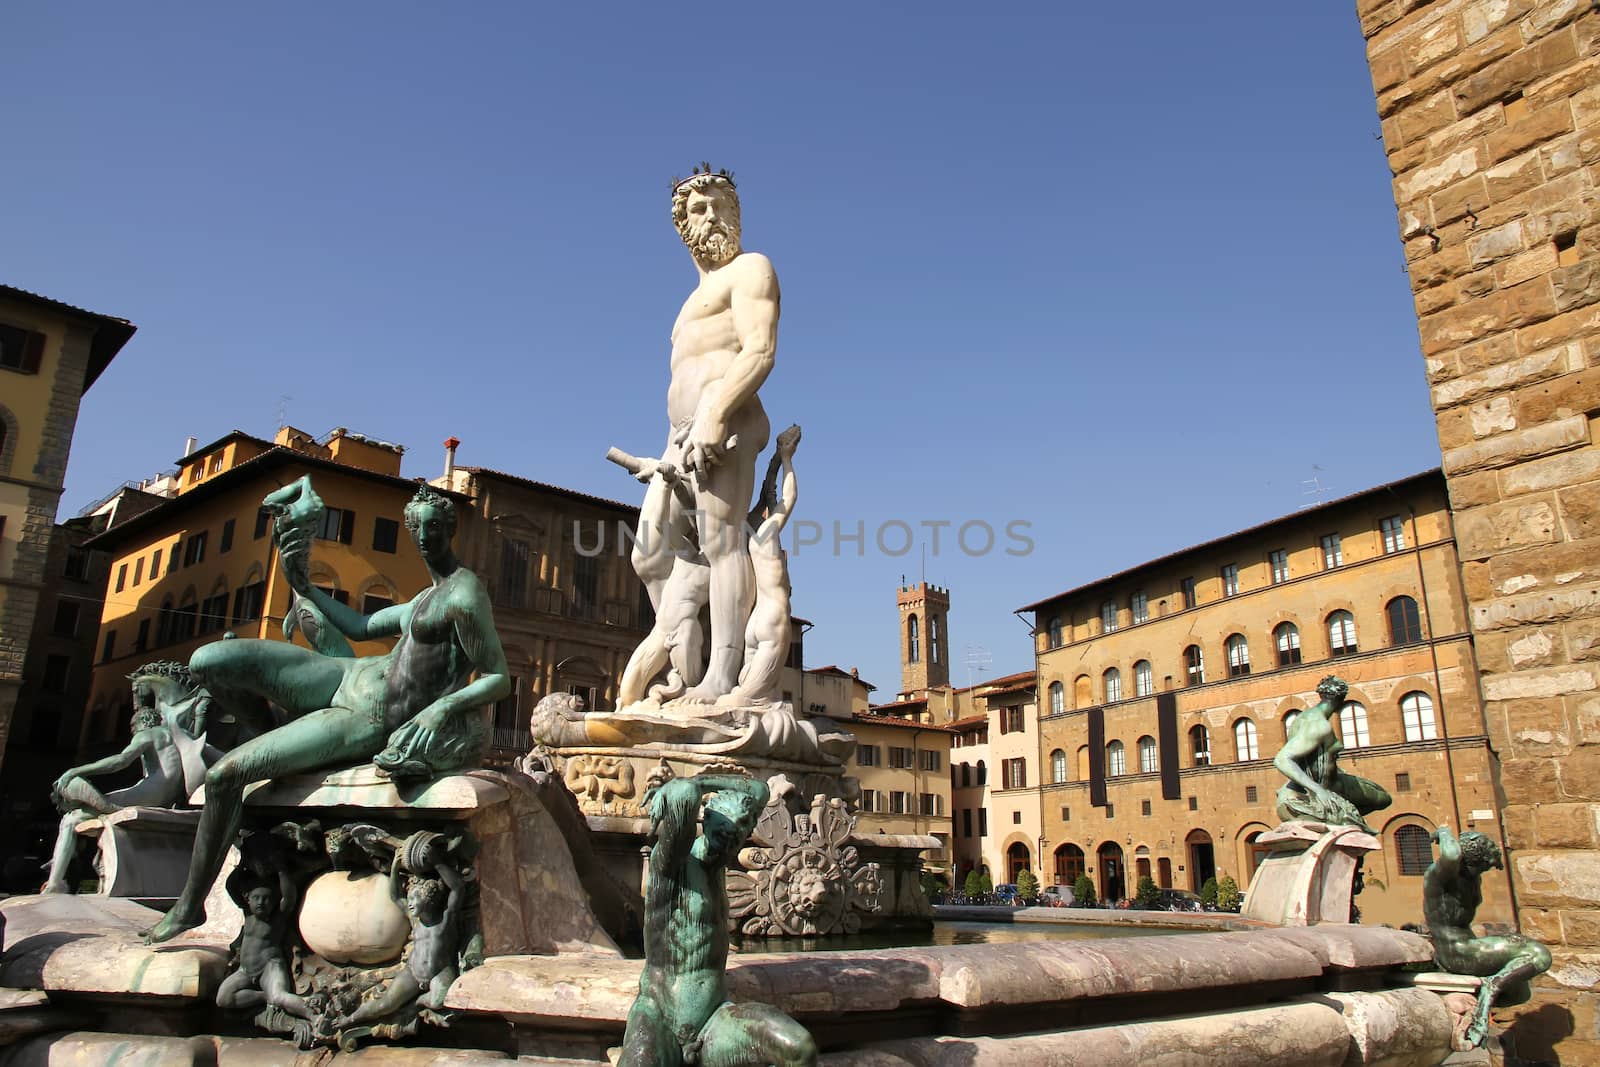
1491, 120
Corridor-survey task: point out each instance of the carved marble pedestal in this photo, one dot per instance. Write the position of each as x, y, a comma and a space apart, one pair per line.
144, 852
1310, 877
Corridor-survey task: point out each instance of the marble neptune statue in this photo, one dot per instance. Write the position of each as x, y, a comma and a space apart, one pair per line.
413, 711
723, 346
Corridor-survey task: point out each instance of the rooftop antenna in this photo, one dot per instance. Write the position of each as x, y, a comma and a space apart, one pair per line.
924, 576
978, 660
283, 410
1313, 487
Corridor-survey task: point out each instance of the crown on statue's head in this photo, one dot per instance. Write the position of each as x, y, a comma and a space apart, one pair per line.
703, 170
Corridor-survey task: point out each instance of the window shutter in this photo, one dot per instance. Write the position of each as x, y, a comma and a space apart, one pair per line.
347, 527
33, 354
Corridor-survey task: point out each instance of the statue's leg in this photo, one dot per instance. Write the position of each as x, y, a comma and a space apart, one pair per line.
402, 990
732, 592
755, 1035
1367, 796
66, 849
648, 1041
279, 988
1520, 960
328, 738
438, 986
238, 991
294, 678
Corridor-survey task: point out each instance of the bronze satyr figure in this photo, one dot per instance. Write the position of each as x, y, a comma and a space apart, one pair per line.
1451, 894
682, 1014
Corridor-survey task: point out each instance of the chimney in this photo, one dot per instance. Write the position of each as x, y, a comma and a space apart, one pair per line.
450, 446
188, 446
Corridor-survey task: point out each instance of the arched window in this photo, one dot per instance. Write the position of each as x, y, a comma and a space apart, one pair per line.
1058, 766
1416, 712
913, 641
1287, 635
1082, 691
1083, 762
1238, 655
966, 774
1113, 685
1200, 745
1415, 846
1342, 634
1148, 761
1405, 625
933, 638
1116, 761
1058, 698
1244, 740
1194, 665
1353, 726
1108, 616
1288, 721
983, 774
1055, 631
1069, 864
1143, 680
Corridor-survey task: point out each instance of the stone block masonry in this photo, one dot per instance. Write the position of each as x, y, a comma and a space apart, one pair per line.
1490, 112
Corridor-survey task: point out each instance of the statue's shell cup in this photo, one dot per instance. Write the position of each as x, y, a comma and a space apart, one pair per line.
349, 917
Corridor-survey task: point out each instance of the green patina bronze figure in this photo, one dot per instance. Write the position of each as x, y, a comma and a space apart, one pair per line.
1317, 790
169, 743
1451, 893
682, 1014
413, 711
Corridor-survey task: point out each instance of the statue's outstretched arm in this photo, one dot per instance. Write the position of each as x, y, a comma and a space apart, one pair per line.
385, 622
138, 746
1448, 862
673, 809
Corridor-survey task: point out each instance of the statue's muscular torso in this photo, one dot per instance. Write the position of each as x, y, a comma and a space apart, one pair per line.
705, 340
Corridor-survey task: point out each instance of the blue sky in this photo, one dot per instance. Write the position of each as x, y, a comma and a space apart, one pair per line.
1127, 274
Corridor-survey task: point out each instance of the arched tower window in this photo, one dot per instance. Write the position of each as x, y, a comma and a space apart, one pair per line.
913, 641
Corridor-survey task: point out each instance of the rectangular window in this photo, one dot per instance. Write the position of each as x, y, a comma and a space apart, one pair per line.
585, 587
983, 822
1278, 561
1194, 803
899, 758
929, 761
66, 624
138, 570
966, 822
869, 800
1402, 782
77, 565
1393, 529
1014, 773
899, 802
225, 543
1016, 818
109, 650
155, 564
21, 350
249, 602
174, 561
1187, 587
1108, 616
1066, 814
338, 524
1011, 720
1144, 807
122, 577
1111, 811
372, 603
1250, 794
194, 550
263, 517
1230, 580
55, 674
513, 585
1140, 607
1332, 552
932, 804
385, 535
867, 756
141, 639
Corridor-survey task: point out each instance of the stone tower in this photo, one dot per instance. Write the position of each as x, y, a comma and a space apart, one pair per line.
1491, 120
924, 638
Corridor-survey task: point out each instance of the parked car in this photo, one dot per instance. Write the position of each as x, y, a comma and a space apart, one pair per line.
1006, 893
1178, 900
1057, 896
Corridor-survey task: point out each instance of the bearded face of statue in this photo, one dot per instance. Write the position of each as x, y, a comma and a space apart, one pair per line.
710, 224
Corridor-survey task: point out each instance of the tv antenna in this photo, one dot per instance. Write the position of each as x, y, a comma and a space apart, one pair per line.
978, 661
283, 410
1313, 487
